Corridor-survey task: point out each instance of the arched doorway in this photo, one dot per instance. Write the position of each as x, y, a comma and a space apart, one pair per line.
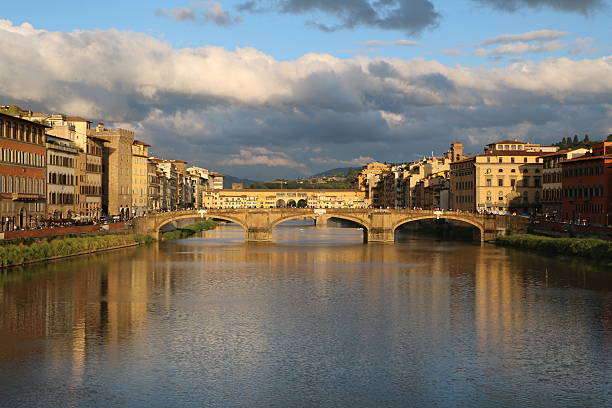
22, 217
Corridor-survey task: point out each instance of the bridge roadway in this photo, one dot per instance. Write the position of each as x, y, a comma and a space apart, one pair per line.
378, 225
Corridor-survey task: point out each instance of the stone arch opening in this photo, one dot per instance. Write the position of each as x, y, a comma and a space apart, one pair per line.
356, 222
280, 204
196, 218
302, 203
291, 204
449, 217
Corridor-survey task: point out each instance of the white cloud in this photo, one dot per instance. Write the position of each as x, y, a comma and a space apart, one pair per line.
540, 35
356, 162
199, 104
364, 51
583, 46
200, 12
453, 52
397, 42
262, 156
521, 48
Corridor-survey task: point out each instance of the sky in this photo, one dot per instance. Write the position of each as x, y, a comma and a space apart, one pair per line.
262, 89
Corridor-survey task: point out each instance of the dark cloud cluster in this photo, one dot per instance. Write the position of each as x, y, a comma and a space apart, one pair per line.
575, 6
247, 114
409, 16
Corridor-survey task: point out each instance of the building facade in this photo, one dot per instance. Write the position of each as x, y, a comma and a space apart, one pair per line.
22, 173
551, 180
499, 181
62, 192
587, 186
230, 199
140, 178
116, 170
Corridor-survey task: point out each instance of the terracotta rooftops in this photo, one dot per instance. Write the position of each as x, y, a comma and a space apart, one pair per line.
76, 119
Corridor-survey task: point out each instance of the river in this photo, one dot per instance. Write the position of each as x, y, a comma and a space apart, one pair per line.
315, 318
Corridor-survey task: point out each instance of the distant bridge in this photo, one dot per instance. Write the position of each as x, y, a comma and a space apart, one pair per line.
378, 225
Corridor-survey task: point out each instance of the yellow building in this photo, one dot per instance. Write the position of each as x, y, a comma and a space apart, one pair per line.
140, 164
284, 198
508, 180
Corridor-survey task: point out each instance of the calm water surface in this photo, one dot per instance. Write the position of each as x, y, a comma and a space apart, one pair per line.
315, 318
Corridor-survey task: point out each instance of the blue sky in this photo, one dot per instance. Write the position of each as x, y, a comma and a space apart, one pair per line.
302, 86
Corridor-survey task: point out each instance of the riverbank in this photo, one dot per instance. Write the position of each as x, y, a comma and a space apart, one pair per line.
15, 255
189, 230
595, 249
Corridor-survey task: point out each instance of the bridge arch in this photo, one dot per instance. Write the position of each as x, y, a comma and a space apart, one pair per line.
459, 218
356, 220
192, 216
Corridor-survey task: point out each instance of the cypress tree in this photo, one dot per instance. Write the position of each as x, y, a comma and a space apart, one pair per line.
575, 142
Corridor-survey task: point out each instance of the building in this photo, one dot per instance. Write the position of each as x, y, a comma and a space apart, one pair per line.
116, 170
153, 186
90, 179
215, 180
22, 173
506, 180
516, 145
551, 180
140, 178
62, 191
587, 186
198, 181
168, 184
226, 199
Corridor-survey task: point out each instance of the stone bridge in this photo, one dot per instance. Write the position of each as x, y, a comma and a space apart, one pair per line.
378, 225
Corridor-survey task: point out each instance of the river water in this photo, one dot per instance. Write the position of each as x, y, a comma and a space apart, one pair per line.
315, 318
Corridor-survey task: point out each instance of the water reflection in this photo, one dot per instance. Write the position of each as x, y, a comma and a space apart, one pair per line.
314, 318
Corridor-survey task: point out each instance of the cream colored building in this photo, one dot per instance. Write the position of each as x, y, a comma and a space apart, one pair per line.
508, 180
228, 199
117, 170
61, 178
140, 164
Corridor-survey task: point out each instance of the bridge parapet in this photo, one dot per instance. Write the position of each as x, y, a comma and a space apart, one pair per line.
379, 225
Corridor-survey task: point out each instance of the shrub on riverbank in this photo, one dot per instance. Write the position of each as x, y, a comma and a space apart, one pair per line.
596, 249
19, 254
189, 230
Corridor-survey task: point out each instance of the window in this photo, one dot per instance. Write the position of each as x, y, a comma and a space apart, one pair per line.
512, 182
524, 160
501, 159
500, 170
488, 171
500, 182
525, 196
500, 196
1, 128
488, 182
488, 196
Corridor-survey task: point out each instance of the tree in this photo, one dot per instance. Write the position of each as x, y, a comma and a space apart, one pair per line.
575, 142
609, 139
586, 139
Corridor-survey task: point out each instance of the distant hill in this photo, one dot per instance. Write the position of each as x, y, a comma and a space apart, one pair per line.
228, 180
340, 170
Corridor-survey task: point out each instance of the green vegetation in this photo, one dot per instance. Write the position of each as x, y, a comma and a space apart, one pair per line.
576, 143
18, 254
188, 231
596, 249
337, 181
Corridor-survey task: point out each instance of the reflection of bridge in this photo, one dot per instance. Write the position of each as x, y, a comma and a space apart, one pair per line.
378, 225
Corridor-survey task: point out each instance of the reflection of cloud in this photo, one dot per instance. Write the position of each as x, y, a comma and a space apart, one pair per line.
200, 12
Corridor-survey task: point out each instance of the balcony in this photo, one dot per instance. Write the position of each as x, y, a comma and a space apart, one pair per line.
25, 197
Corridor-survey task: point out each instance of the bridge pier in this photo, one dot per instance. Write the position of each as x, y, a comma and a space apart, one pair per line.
259, 235
380, 235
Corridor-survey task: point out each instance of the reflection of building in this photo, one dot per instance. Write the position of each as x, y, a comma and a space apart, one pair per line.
499, 180
61, 178
284, 198
551, 179
117, 170
587, 186
22, 173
